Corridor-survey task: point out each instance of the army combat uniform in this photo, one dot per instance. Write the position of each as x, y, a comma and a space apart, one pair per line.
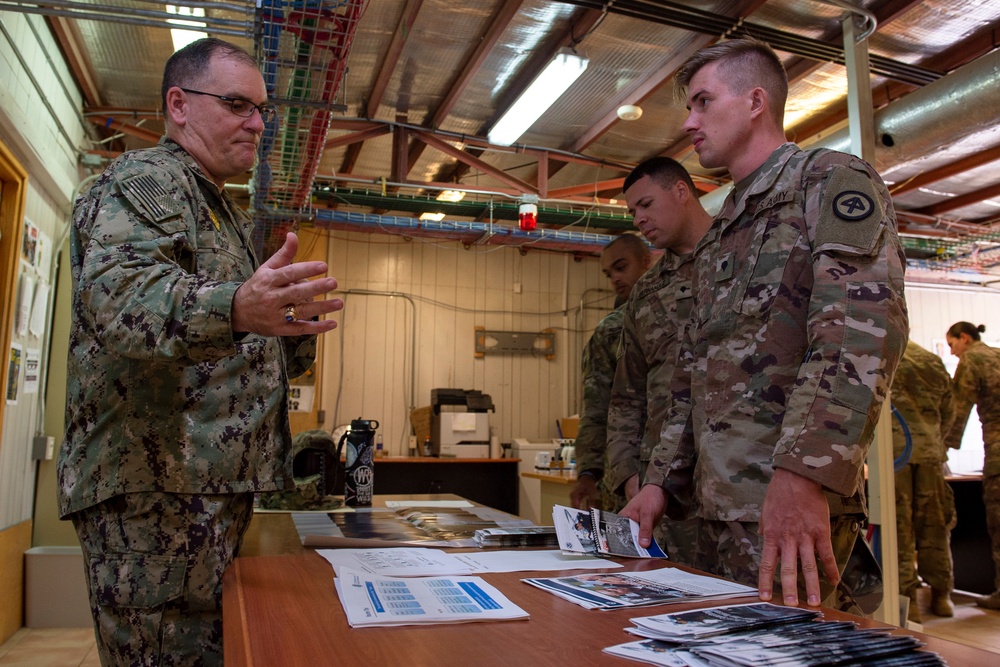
798, 324
599, 360
660, 303
977, 382
173, 421
925, 506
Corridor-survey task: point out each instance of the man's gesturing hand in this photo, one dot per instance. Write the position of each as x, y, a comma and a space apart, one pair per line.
260, 302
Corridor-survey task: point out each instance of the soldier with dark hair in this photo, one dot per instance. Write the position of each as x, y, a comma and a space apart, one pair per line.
664, 202
977, 382
798, 322
181, 347
623, 261
925, 505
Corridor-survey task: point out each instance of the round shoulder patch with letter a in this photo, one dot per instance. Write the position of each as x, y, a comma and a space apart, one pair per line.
853, 205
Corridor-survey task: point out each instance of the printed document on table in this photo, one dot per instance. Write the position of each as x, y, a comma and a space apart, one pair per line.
421, 562
373, 601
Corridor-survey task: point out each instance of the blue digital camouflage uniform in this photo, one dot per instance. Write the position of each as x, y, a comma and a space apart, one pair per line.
164, 400
798, 324
925, 505
599, 360
977, 382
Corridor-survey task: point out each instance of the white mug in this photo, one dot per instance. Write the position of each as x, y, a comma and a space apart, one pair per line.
543, 459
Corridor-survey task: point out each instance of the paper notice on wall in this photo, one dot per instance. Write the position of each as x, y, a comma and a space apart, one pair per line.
32, 370
14, 365
300, 398
25, 295
39, 309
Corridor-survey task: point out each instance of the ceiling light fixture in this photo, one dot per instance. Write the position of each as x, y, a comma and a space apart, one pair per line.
451, 195
629, 112
181, 37
436, 217
536, 99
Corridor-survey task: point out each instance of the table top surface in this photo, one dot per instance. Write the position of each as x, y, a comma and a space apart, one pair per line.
280, 607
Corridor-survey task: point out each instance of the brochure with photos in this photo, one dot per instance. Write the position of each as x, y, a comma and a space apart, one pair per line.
761, 635
614, 590
598, 532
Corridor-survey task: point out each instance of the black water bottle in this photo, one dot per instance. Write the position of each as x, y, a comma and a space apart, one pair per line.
359, 479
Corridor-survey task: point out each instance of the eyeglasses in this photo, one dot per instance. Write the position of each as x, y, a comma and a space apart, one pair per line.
240, 107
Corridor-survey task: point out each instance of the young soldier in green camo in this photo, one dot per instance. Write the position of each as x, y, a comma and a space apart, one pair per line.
179, 357
925, 506
977, 382
623, 260
798, 322
662, 198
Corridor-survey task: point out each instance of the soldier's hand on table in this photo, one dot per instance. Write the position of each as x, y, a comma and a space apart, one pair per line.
584, 493
795, 526
261, 303
646, 508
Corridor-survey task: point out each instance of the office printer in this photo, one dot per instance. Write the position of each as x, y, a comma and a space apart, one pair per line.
460, 423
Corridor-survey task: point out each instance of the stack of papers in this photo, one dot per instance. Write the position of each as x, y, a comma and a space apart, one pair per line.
766, 635
374, 601
598, 532
614, 590
528, 536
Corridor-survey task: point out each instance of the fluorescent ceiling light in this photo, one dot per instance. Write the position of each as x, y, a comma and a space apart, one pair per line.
184, 36
543, 92
451, 195
436, 217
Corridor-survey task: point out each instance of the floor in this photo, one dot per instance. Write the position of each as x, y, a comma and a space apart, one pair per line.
75, 647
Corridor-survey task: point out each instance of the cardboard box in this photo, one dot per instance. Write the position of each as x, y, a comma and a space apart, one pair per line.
570, 427
420, 421
55, 591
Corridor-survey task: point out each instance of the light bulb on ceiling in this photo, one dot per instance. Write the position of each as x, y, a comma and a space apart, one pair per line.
629, 112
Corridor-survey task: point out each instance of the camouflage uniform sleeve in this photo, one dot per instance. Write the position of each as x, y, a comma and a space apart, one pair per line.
627, 409
671, 464
856, 325
599, 361
133, 279
947, 410
965, 397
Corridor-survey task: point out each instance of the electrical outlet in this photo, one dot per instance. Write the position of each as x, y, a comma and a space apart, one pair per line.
517, 288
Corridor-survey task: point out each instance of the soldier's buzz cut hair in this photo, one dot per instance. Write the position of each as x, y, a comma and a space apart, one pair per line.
186, 67
664, 171
746, 63
634, 244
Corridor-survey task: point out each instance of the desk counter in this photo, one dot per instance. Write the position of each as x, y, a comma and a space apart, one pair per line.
283, 611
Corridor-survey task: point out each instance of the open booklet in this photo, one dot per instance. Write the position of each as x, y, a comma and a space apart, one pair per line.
595, 531
614, 590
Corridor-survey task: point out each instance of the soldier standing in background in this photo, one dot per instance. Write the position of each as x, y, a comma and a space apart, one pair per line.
664, 202
977, 382
180, 351
798, 323
623, 261
925, 505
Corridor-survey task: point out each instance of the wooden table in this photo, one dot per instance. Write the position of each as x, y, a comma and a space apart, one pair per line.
283, 611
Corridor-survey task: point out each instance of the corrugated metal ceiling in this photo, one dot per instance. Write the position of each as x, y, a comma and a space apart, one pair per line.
453, 67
